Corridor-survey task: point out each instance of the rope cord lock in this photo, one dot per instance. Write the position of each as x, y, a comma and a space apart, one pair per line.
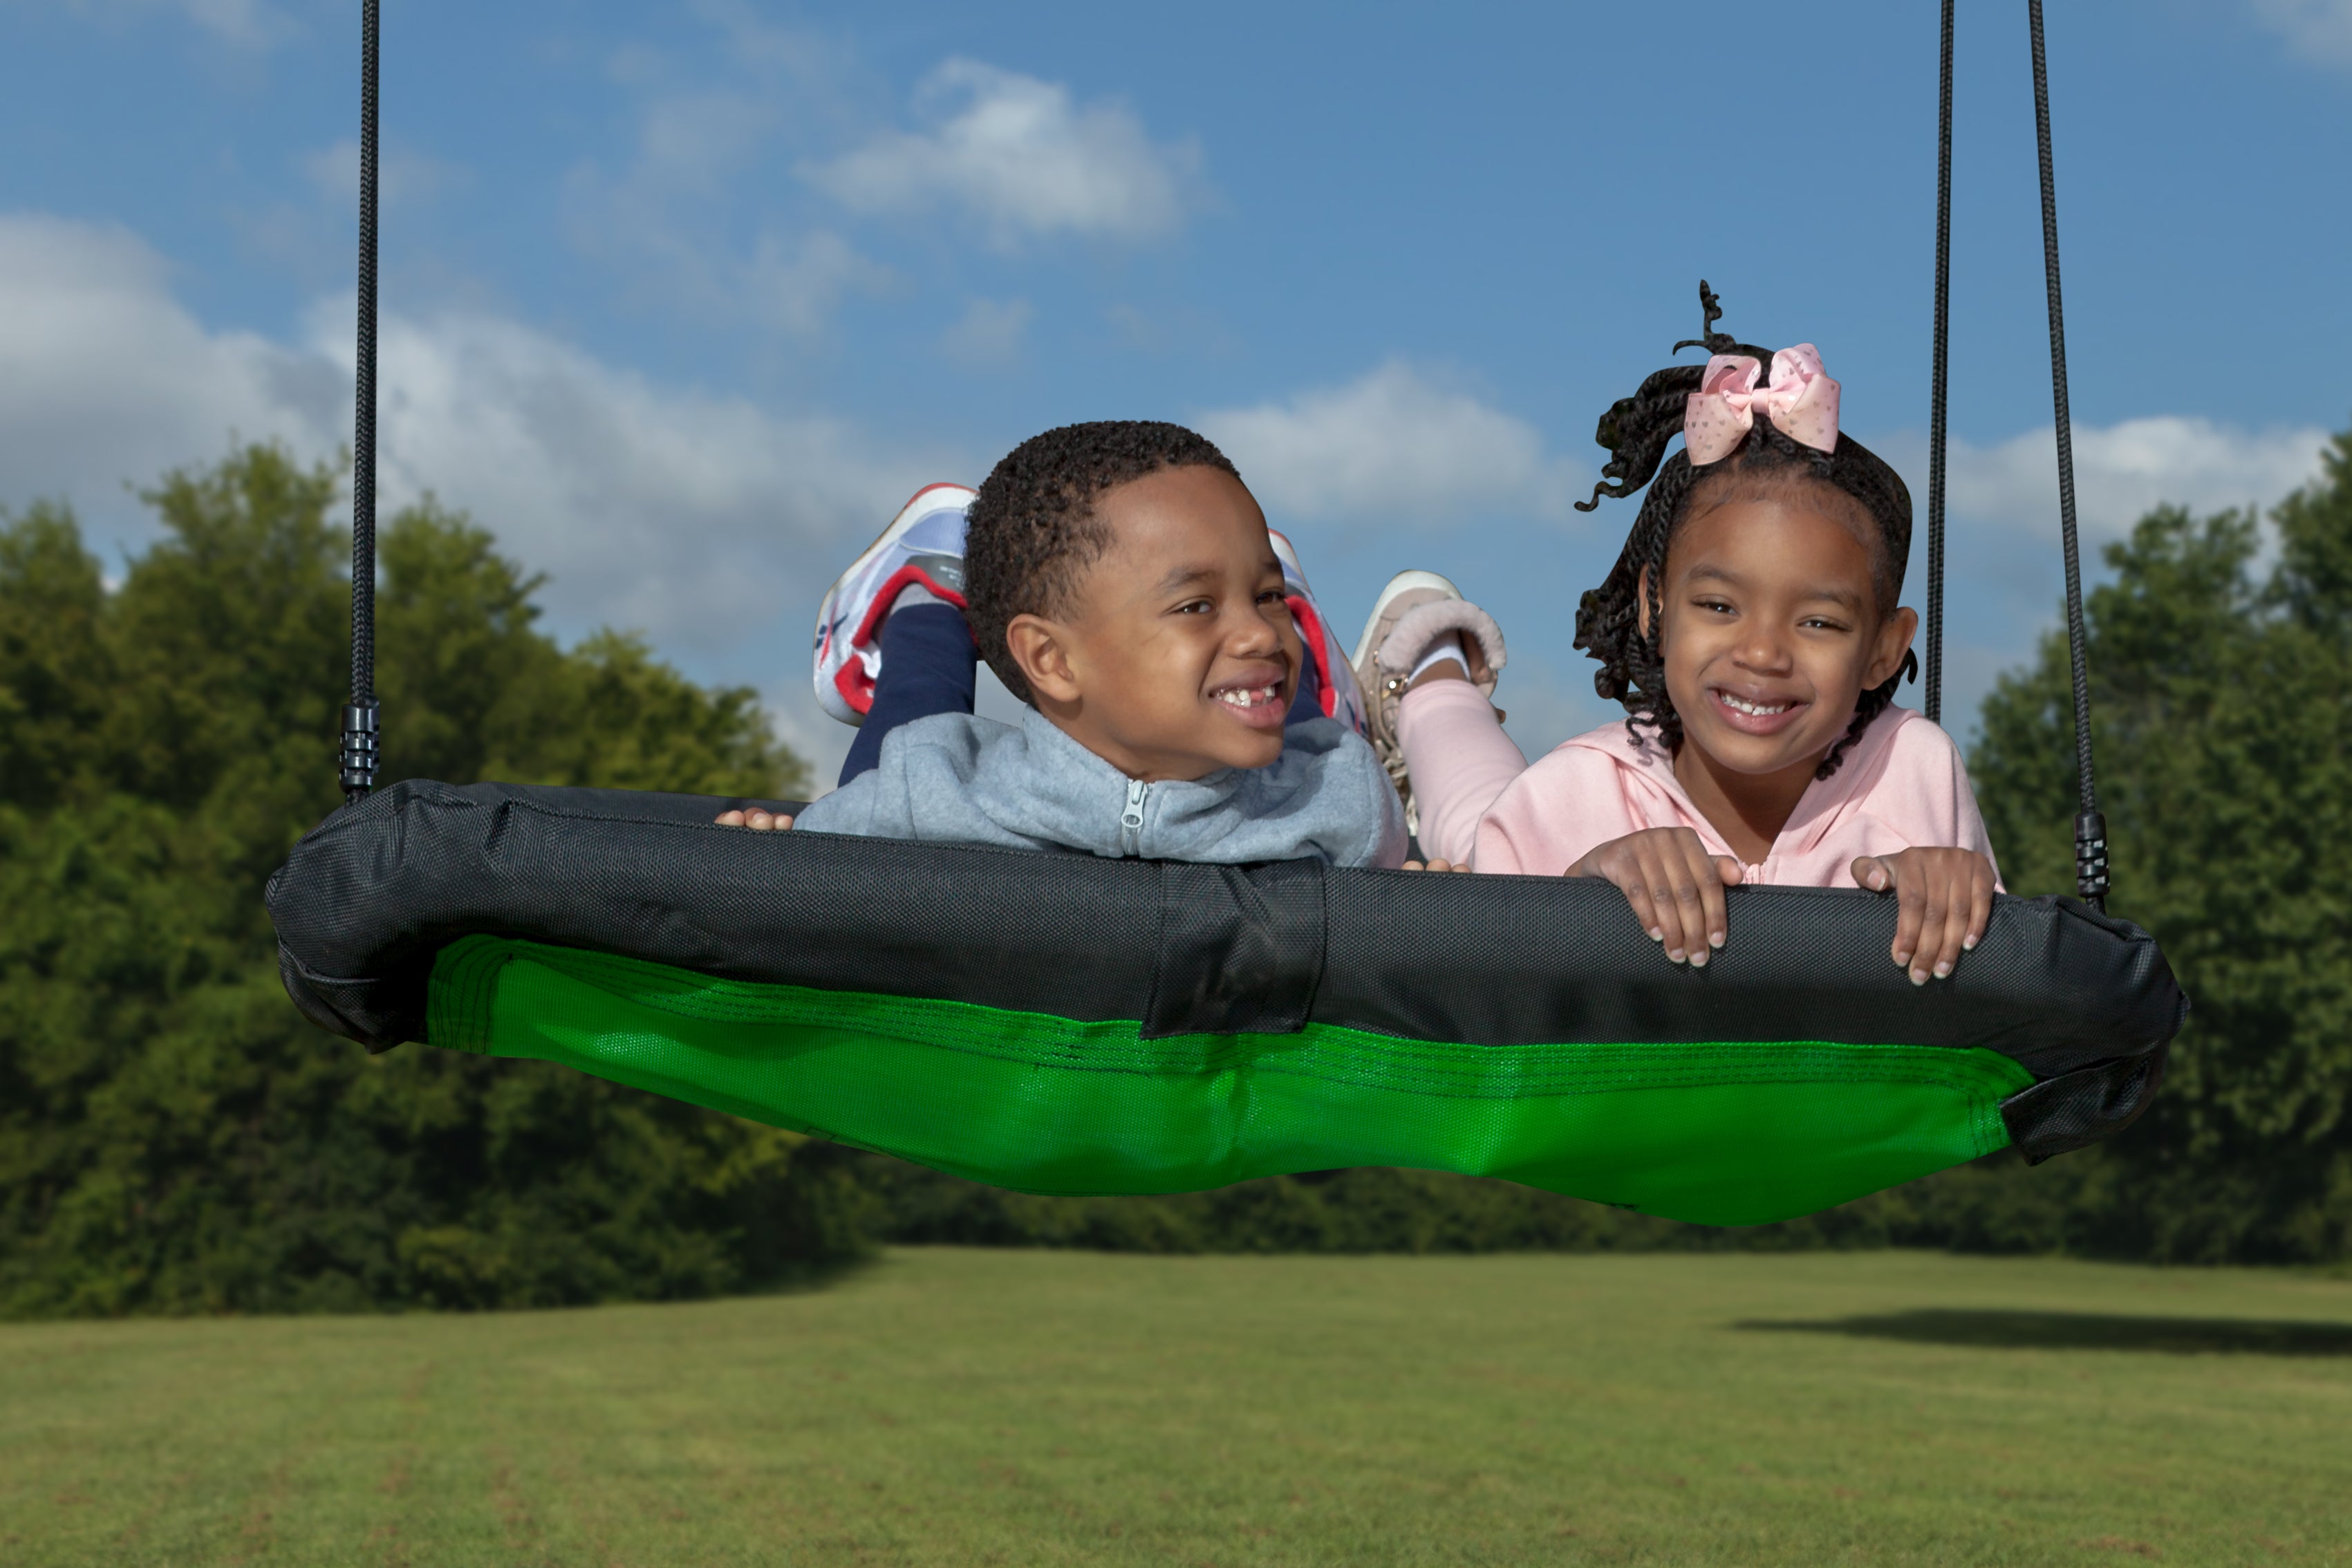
2091, 857
361, 750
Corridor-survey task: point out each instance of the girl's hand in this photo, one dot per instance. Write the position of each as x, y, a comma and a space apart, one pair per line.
1674, 886
1432, 866
1945, 897
755, 819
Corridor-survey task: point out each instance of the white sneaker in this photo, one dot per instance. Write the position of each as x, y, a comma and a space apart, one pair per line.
922, 546
1424, 607
1342, 699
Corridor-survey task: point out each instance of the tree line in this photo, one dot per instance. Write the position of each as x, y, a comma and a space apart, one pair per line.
173, 1137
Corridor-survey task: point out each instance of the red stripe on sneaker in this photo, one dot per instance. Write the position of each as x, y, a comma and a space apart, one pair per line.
935, 485
887, 594
857, 688
1311, 632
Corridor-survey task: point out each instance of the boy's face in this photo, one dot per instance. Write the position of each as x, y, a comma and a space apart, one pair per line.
1180, 657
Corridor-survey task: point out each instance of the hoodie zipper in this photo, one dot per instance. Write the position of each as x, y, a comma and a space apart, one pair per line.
1130, 821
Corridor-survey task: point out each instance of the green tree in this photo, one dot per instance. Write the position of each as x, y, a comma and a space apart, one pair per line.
53, 672
173, 1135
2219, 718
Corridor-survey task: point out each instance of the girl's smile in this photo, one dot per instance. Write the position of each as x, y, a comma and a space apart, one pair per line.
1757, 713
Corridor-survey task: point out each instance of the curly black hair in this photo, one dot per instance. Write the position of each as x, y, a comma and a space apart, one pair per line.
1636, 430
1033, 530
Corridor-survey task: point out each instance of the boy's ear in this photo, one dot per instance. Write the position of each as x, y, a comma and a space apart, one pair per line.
1042, 650
1894, 635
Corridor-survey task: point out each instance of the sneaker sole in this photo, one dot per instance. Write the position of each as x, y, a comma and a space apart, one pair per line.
1399, 586
1319, 638
913, 512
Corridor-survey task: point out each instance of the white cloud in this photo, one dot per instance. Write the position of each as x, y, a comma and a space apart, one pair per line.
2317, 29
990, 334
246, 23
699, 518
1394, 445
105, 379
797, 286
401, 177
693, 141
2001, 550
670, 215
1021, 156
2122, 472
707, 522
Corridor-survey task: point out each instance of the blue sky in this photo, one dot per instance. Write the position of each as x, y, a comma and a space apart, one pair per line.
683, 299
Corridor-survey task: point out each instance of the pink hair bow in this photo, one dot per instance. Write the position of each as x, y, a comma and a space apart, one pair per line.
1801, 401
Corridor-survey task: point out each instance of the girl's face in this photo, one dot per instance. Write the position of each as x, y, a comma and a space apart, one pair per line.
1773, 631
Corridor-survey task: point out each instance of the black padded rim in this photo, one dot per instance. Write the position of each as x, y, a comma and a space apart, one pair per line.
368, 899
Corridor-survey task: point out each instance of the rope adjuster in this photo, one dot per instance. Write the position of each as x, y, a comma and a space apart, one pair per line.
362, 748
2091, 857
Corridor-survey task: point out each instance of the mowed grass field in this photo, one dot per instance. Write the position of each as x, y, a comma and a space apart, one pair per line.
952, 1407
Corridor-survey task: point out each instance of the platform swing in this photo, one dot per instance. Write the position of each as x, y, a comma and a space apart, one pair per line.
1063, 1024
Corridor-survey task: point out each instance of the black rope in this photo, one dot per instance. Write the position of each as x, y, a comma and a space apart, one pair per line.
361, 737
1935, 682
2090, 827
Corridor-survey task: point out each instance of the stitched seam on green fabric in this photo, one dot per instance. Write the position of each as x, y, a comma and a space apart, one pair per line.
1991, 1127
1113, 1047
1324, 1052
461, 993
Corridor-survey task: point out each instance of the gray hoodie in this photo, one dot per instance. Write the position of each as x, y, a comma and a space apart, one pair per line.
953, 778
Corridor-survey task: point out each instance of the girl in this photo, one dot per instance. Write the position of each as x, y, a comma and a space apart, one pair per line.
1751, 629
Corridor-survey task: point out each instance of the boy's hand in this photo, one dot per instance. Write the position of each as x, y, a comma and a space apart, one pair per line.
1945, 897
1432, 866
1674, 886
755, 819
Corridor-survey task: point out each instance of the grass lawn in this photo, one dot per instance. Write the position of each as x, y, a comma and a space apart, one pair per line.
965, 1406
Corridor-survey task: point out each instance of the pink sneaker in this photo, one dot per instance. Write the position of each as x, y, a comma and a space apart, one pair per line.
1342, 699
923, 546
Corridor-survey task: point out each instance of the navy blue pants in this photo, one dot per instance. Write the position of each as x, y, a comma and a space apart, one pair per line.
929, 665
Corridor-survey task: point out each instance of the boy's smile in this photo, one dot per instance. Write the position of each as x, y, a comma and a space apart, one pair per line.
1180, 656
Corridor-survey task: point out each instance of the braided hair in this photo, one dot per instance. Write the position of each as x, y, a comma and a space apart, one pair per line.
1848, 481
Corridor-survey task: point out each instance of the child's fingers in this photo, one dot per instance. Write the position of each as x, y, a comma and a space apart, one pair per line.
1941, 950
1980, 905
728, 819
1624, 869
1690, 881
1877, 874
1932, 893
1910, 914
1707, 873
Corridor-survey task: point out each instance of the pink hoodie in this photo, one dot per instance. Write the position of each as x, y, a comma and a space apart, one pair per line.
1903, 783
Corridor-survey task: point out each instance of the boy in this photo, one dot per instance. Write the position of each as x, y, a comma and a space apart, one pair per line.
1119, 578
